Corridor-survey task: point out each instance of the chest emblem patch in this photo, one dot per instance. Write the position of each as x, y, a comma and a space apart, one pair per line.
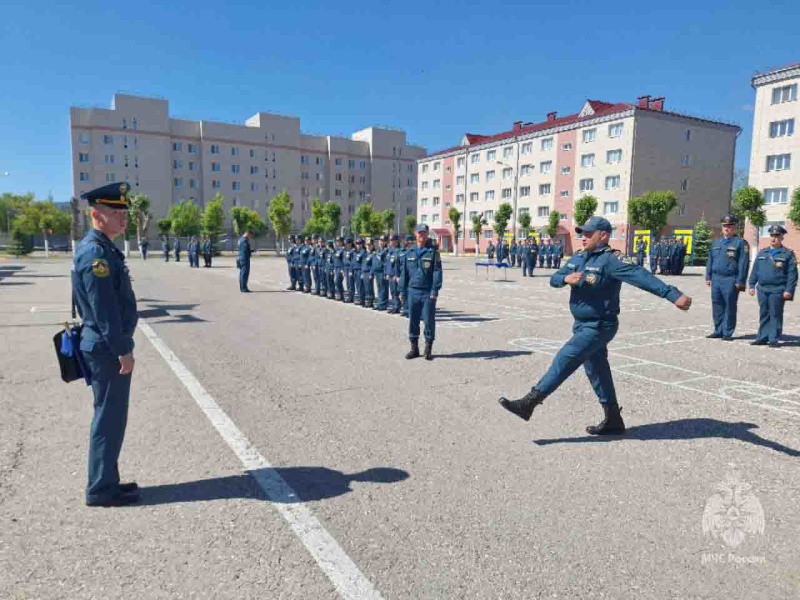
591, 278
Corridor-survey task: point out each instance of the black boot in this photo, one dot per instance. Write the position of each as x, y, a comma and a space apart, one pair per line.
612, 423
414, 353
428, 349
523, 407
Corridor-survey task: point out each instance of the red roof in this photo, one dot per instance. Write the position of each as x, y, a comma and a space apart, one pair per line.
601, 109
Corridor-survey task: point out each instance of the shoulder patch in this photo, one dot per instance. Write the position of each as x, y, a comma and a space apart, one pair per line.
100, 268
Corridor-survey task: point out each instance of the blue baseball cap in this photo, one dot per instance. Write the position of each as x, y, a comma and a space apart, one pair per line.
595, 224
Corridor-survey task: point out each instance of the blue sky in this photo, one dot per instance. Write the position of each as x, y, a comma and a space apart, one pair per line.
435, 69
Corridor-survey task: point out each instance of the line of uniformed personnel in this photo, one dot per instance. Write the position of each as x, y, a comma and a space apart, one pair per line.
520, 254
668, 255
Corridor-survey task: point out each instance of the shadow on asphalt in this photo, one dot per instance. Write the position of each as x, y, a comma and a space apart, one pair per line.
159, 309
683, 429
449, 316
307, 483
787, 341
486, 354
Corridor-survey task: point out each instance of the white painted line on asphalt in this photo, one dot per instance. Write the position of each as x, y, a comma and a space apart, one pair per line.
331, 558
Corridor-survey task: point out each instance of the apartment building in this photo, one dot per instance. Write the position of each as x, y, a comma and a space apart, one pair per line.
776, 146
612, 151
174, 159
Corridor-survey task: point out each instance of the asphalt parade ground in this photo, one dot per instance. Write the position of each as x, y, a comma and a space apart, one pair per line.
286, 449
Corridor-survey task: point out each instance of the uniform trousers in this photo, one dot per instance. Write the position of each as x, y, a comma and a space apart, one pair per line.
244, 275
588, 346
421, 306
724, 300
111, 393
770, 318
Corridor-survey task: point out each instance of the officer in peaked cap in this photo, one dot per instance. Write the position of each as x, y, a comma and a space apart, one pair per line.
393, 274
105, 301
594, 276
775, 276
347, 268
726, 275
409, 245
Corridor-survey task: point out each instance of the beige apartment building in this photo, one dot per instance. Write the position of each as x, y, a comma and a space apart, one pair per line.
612, 151
174, 159
776, 146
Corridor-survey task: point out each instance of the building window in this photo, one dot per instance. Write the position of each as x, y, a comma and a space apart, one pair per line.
682, 210
191, 148
215, 167
612, 182
508, 151
338, 193
471, 234
214, 148
254, 171
564, 193
424, 169
177, 164
505, 193
610, 208
489, 195
587, 185
507, 173
253, 187
108, 140
545, 167
525, 190
215, 184
544, 189
771, 195
109, 159
491, 155
524, 211
461, 180
566, 147
686, 160
684, 185
565, 170
83, 176
786, 93
781, 128
475, 159
436, 201
423, 218
547, 144
177, 146
234, 151
424, 185
779, 162
235, 169
459, 198
587, 160
525, 170
589, 135
83, 138
475, 178
488, 215
83, 157
338, 177
362, 180
236, 186
688, 135
543, 211
474, 197
437, 184
615, 130
363, 165
436, 166
423, 202
613, 157
526, 148
338, 162
489, 175
111, 177
351, 164
192, 166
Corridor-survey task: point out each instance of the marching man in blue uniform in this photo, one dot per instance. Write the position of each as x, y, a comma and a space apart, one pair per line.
726, 275
775, 277
595, 276
101, 287
421, 279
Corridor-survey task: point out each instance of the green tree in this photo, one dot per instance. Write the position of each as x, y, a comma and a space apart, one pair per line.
794, 209
317, 224
9, 205
410, 223
75, 224
525, 223
478, 223
387, 217
140, 215
246, 219
20, 244
748, 205
585, 207
212, 221
185, 217
362, 219
651, 210
333, 217
501, 217
43, 218
455, 220
280, 215
164, 226
702, 240
552, 224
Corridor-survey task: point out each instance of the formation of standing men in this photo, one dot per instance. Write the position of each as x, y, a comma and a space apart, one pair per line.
667, 254
525, 253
